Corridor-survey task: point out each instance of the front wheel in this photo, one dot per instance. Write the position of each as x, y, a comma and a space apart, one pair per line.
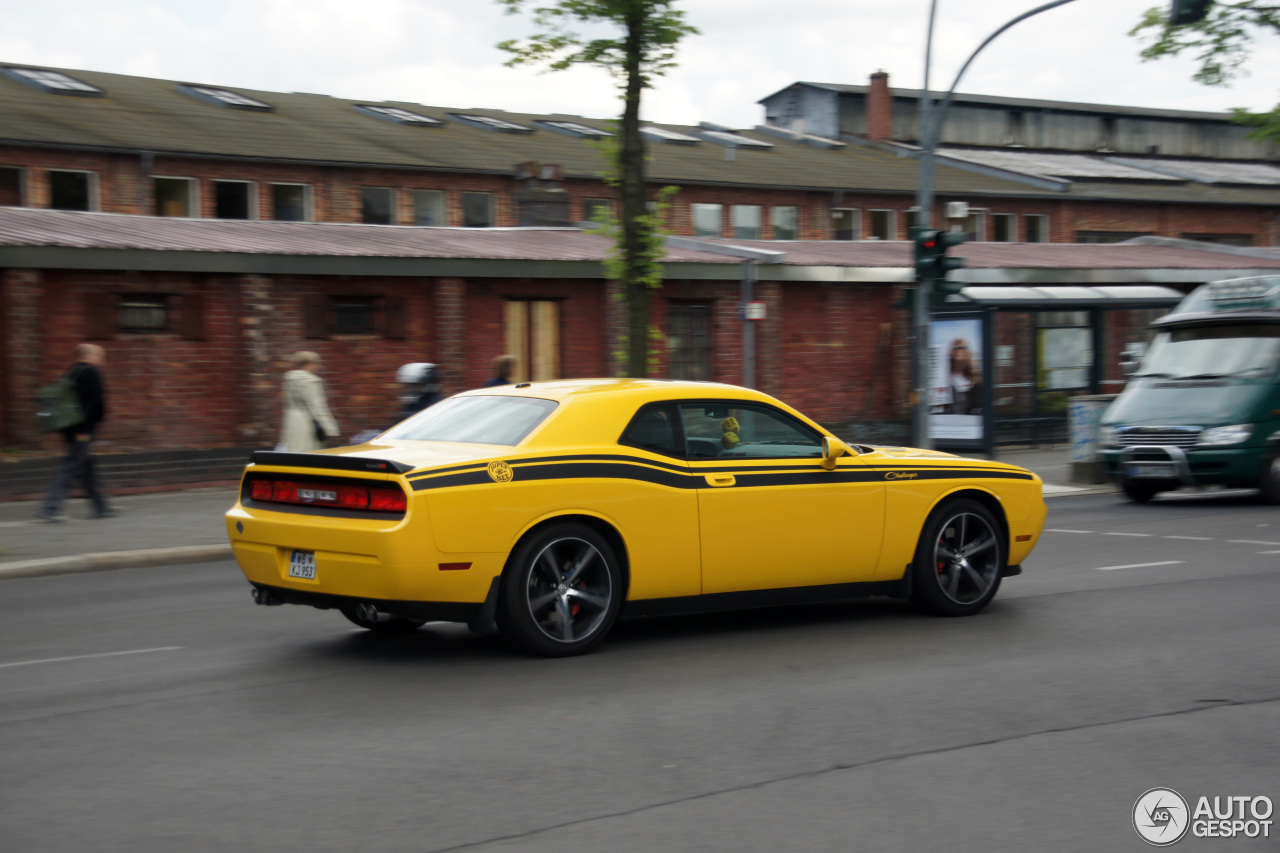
1269, 479
561, 591
1139, 491
958, 561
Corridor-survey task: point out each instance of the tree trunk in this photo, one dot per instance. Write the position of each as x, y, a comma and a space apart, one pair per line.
632, 168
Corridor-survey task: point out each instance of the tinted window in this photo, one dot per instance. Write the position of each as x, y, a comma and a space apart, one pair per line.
476, 420
654, 429
736, 430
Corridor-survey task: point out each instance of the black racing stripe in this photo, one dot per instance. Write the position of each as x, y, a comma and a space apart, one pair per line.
431, 472
745, 478
516, 463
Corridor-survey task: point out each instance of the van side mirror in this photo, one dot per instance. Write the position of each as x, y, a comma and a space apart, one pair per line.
832, 449
1131, 357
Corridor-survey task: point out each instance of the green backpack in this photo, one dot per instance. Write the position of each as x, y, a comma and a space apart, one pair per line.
59, 404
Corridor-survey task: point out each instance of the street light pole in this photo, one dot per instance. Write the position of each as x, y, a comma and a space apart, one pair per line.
930, 131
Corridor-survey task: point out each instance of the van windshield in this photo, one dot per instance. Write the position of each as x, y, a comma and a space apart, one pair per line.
475, 420
1212, 352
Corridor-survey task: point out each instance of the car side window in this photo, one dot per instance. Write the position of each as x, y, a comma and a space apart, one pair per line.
716, 430
654, 429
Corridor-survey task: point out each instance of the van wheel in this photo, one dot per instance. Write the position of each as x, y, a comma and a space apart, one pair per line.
561, 591
1139, 491
958, 561
1269, 479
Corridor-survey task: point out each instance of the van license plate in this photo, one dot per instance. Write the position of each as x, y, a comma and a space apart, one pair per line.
303, 565
1154, 470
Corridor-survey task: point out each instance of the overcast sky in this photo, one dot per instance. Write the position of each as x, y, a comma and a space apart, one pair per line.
441, 52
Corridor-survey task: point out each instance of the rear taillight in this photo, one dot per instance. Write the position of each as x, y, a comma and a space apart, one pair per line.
375, 498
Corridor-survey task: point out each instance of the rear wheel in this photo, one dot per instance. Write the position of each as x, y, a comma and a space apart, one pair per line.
1139, 491
561, 591
958, 559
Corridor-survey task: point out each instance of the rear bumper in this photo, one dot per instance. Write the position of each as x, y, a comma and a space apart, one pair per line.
426, 611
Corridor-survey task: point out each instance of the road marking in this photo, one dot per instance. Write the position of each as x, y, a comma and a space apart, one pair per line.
1128, 534
1064, 530
1139, 565
86, 657
1269, 552
1191, 538
1251, 542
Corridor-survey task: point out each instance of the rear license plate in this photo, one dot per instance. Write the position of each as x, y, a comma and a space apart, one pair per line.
1151, 470
309, 495
303, 565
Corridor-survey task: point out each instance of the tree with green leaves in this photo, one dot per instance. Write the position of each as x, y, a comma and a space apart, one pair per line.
1221, 43
643, 47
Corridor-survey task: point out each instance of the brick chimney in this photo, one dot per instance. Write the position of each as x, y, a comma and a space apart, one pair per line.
879, 108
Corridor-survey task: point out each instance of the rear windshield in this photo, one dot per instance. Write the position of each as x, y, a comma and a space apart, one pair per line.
475, 420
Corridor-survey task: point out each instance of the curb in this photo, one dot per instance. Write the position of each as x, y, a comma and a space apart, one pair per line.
110, 560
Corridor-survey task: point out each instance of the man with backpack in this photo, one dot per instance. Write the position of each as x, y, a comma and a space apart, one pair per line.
86, 379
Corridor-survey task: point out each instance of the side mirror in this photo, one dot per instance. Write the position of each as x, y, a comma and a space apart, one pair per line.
1131, 357
832, 449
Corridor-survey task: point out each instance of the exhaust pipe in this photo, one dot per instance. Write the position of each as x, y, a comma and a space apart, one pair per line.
266, 599
370, 613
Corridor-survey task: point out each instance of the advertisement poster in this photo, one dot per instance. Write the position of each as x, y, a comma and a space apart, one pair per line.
955, 379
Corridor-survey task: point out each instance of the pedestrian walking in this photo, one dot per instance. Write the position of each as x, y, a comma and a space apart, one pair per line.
307, 421
503, 365
86, 379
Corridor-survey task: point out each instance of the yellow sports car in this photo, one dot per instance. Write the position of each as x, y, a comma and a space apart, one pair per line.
546, 510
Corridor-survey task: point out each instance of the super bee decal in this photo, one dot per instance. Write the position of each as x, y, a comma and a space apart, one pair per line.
500, 472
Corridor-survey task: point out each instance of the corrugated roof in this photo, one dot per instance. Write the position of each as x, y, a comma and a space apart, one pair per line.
1054, 165
27, 227
143, 114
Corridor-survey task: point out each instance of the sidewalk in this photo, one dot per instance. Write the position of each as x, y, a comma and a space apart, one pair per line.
186, 526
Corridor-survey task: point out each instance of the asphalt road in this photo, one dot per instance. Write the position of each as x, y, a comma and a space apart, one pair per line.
159, 710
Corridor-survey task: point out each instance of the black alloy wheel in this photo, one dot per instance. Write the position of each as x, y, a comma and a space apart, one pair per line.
959, 559
1139, 491
1269, 479
561, 591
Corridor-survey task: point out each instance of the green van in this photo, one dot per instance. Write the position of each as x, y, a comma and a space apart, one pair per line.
1203, 408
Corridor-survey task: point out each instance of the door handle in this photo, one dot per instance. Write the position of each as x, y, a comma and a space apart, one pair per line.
720, 480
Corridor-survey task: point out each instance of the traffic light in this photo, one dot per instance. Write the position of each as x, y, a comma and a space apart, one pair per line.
933, 262
1182, 12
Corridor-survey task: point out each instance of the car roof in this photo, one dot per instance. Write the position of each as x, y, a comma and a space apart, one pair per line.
634, 390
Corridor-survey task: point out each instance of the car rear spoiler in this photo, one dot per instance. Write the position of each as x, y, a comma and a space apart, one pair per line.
328, 462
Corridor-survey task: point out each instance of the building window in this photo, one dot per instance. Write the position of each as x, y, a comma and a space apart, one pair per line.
174, 196
786, 223
398, 115
289, 202
231, 200
53, 81
142, 314
746, 221
913, 218
10, 187
708, 219
1004, 228
1035, 228
354, 315
69, 190
225, 98
1108, 236
597, 209
846, 222
976, 224
689, 342
377, 205
428, 207
477, 210
1064, 345
533, 337
883, 225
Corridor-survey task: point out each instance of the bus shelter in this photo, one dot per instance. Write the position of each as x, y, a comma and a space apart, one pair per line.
1005, 360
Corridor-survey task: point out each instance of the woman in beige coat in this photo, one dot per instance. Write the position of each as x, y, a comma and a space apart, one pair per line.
305, 406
